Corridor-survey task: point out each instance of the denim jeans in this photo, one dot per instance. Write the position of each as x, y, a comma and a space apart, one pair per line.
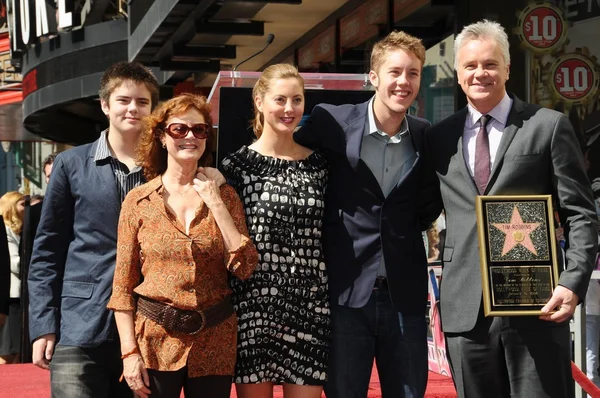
77, 372
397, 342
592, 340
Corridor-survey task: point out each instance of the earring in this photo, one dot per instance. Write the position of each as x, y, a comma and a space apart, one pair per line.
164, 145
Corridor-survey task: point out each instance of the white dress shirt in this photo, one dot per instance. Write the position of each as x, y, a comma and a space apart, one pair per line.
495, 128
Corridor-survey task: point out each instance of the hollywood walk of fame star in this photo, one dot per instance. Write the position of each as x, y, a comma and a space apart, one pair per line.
517, 232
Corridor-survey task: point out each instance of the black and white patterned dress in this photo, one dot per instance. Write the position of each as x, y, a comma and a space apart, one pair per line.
283, 309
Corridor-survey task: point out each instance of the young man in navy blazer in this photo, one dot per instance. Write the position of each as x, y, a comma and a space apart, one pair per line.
377, 202
73, 260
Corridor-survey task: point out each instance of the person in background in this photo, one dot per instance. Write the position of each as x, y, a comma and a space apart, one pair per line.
31, 219
176, 248
47, 166
74, 251
433, 240
376, 206
592, 317
592, 329
283, 309
4, 281
35, 199
12, 208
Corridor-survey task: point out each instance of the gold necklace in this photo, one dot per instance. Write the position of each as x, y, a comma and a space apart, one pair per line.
182, 194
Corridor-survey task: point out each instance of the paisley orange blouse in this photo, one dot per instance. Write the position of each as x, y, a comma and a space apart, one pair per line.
158, 260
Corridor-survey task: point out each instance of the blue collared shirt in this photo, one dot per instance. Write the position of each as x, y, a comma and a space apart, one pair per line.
388, 158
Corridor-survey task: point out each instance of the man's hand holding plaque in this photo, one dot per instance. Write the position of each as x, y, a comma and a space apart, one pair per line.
565, 300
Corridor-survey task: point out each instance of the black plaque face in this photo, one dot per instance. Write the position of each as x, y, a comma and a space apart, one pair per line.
518, 253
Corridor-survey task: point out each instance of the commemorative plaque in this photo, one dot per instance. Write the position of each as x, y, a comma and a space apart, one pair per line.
517, 248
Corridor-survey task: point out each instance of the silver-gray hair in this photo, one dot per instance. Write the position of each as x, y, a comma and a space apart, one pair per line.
483, 30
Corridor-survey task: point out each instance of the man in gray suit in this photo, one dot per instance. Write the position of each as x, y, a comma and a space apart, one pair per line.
522, 149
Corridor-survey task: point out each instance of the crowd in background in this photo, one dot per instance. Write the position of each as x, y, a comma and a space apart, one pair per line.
16, 211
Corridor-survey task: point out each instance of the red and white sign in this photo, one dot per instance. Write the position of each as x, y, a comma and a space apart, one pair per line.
542, 28
574, 77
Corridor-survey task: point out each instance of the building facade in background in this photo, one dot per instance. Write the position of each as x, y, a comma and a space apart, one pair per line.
60, 52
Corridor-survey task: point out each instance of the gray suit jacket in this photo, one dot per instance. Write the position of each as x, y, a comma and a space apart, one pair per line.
538, 154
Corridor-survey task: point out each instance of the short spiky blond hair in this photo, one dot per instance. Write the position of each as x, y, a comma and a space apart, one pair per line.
396, 40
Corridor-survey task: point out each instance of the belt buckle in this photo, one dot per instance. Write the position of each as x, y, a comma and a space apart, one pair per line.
202, 324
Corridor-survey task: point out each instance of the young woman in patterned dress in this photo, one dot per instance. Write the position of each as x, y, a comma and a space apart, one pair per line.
283, 309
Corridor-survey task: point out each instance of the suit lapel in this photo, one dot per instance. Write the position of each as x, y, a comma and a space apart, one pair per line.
106, 176
354, 132
510, 130
458, 125
416, 137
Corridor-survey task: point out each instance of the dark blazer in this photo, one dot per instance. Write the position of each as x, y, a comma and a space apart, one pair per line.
31, 219
73, 260
360, 220
538, 154
4, 270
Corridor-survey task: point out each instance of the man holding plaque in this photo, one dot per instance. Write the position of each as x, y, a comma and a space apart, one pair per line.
498, 146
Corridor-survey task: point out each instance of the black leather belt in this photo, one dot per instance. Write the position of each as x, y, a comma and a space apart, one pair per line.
381, 283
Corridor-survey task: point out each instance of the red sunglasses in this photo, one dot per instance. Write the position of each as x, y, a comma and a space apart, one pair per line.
180, 130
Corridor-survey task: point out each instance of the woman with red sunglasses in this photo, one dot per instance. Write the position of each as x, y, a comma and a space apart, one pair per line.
176, 246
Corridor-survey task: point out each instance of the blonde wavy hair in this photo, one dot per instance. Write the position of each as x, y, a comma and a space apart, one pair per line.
263, 85
8, 207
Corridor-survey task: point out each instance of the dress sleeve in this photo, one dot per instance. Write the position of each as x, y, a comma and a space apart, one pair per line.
241, 261
128, 268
